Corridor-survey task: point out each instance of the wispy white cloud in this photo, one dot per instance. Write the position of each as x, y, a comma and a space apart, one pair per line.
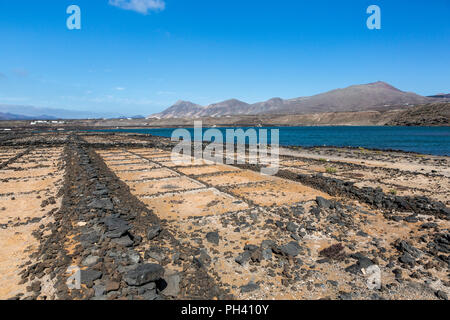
120, 88
141, 6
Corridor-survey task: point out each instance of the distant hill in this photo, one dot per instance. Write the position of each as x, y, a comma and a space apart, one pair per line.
228, 107
132, 117
441, 96
11, 116
36, 113
436, 114
184, 108
372, 96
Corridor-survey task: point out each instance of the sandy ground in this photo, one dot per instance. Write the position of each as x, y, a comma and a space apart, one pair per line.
232, 194
244, 208
26, 190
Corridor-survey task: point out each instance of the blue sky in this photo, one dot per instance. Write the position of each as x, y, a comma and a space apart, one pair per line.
131, 61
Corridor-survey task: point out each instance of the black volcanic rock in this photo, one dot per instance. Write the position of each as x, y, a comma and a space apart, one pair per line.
143, 274
213, 237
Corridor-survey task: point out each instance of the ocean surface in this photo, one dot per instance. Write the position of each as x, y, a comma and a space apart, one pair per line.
427, 140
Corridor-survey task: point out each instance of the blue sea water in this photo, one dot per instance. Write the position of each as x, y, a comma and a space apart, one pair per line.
426, 140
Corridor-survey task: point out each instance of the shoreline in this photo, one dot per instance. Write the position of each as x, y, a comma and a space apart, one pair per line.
124, 130
293, 146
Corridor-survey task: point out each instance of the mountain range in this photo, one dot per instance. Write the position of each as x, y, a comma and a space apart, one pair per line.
12, 116
373, 96
23, 112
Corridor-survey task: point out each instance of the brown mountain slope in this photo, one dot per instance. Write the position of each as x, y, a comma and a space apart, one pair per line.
436, 114
372, 96
363, 118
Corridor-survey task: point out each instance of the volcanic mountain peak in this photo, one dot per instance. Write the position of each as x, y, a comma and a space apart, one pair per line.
384, 85
183, 103
228, 103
